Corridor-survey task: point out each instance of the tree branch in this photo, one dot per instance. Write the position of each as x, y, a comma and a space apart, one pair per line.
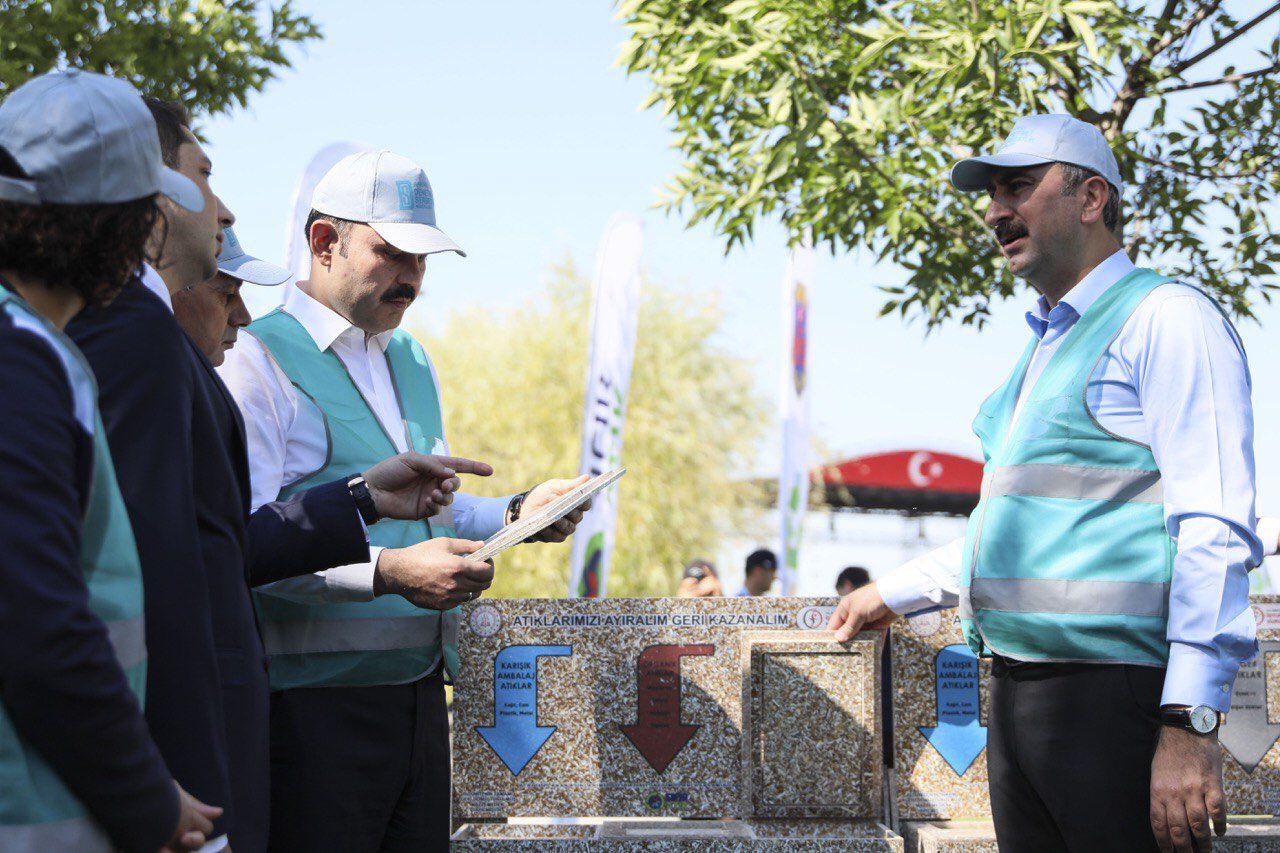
1230, 78
1223, 42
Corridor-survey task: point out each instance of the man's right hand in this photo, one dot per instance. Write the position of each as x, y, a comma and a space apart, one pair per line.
195, 822
860, 610
432, 574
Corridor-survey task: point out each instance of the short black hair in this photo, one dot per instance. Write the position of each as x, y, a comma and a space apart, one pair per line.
856, 576
1073, 176
342, 226
171, 118
92, 249
762, 558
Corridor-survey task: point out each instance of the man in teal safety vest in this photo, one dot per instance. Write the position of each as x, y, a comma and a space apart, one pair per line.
1105, 569
327, 383
80, 171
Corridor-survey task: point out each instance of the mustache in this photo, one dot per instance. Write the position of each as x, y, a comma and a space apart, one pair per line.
400, 291
1008, 231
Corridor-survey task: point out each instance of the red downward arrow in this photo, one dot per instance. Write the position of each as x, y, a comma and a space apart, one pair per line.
658, 733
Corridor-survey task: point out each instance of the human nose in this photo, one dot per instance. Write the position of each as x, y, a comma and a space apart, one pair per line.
225, 217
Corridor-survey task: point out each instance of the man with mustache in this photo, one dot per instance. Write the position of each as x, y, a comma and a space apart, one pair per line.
1105, 570
359, 741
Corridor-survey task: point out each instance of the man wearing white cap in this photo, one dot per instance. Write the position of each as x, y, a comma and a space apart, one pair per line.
80, 170
360, 755
1106, 567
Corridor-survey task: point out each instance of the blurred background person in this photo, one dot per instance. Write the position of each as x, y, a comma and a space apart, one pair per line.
700, 580
851, 578
759, 574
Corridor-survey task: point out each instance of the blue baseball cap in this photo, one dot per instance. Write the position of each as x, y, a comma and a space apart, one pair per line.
390, 194
237, 263
1036, 140
85, 138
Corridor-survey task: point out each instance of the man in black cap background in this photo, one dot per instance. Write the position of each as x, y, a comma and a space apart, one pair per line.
761, 569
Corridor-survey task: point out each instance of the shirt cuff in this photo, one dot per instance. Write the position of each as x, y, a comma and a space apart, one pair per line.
1269, 531
354, 582
904, 590
488, 516
1196, 677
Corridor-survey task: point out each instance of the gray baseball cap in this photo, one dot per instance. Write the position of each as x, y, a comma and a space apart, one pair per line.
237, 263
1036, 140
390, 194
84, 138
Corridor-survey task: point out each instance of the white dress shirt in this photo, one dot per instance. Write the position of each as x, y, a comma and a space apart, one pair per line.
152, 281
287, 439
1175, 379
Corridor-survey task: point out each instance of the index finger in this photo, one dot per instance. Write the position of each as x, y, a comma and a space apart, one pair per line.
459, 546
837, 618
467, 466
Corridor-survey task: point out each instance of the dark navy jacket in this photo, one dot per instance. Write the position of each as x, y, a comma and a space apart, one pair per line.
196, 441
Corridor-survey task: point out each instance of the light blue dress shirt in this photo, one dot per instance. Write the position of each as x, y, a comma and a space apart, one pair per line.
1175, 379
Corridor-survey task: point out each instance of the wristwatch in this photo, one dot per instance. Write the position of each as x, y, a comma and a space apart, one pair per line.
513, 508
1199, 719
364, 501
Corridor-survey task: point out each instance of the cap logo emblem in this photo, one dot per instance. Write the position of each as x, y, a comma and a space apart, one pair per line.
1018, 134
414, 195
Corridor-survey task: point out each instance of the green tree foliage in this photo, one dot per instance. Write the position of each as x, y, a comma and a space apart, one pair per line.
842, 117
209, 54
513, 385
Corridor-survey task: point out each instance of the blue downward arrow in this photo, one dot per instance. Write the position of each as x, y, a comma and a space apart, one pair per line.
958, 737
515, 735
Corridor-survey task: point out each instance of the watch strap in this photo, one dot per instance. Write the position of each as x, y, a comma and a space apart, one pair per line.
364, 501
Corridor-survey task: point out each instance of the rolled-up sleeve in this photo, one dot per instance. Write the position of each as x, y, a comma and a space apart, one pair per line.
1192, 379
930, 581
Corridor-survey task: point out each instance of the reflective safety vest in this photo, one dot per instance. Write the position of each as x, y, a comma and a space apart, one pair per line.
1067, 557
37, 812
357, 643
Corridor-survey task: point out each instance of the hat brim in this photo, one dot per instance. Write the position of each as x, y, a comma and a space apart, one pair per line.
415, 238
181, 190
974, 174
254, 271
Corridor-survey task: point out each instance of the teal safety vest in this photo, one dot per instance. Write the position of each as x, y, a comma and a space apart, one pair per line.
37, 812
357, 643
1067, 557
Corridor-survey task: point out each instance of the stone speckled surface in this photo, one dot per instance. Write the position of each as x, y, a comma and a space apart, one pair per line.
722, 836
613, 676
812, 731
1257, 706
925, 785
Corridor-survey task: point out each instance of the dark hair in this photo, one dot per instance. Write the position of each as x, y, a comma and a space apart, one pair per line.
1072, 178
761, 559
171, 118
92, 249
856, 576
698, 568
342, 226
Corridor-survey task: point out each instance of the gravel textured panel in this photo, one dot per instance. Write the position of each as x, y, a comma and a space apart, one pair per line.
1255, 712
721, 836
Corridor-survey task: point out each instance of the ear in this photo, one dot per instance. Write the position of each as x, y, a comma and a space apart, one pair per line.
1093, 197
322, 240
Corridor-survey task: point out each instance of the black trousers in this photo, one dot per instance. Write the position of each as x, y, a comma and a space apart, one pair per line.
1069, 752
360, 769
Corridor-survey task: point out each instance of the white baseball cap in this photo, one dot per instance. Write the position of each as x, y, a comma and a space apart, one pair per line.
235, 262
1036, 140
390, 194
85, 138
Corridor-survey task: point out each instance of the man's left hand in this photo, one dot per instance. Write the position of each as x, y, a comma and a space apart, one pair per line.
1186, 791
414, 485
546, 493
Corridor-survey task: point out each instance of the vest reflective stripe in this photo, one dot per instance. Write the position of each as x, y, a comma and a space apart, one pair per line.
80, 834
129, 639
1074, 482
1044, 595
37, 811
349, 635
1068, 557
356, 643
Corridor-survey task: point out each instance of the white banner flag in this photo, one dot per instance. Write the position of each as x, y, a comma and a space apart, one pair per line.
793, 479
615, 304
297, 254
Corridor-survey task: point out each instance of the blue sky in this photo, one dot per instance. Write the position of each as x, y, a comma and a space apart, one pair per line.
532, 139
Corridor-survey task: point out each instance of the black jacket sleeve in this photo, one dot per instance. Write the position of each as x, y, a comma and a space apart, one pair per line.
146, 388
59, 679
311, 531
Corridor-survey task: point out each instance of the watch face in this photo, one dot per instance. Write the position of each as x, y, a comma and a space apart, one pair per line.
1203, 719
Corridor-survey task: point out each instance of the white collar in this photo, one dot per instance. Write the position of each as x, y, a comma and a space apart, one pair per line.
152, 281
322, 323
1090, 288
